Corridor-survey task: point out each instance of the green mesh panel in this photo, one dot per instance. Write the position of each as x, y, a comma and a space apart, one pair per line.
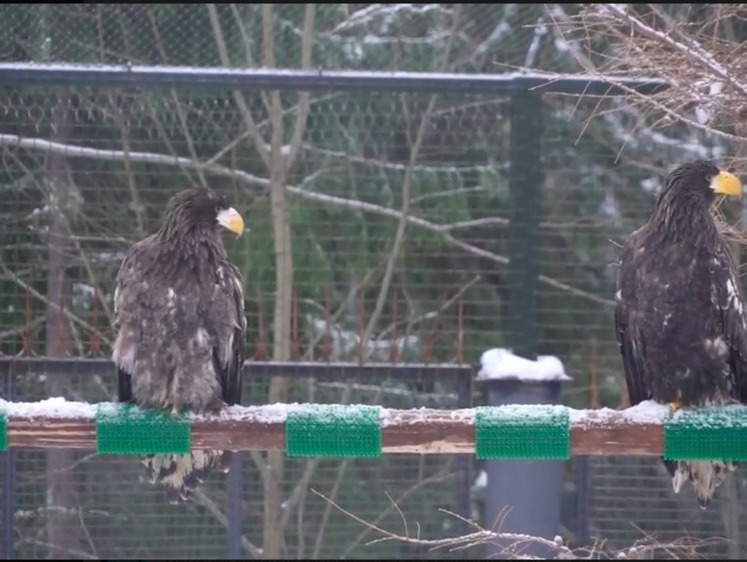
332, 430
522, 432
707, 433
3, 430
125, 429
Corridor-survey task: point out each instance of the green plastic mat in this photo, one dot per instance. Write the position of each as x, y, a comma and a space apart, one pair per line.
333, 430
522, 432
125, 429
706, 433
3, 430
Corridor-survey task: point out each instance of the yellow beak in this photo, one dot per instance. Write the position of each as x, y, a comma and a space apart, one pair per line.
726, 184
231, 220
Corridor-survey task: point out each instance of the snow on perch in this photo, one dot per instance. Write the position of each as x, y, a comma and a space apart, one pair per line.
639, 430
647, 412
51, 408
500, 363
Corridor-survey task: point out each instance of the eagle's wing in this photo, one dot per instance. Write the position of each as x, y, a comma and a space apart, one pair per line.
630, 348
628, 338
130, 294
228, 325
727, 296
139, 297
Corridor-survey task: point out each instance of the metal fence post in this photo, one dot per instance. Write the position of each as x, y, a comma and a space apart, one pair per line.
523, 496
525, 190
531, 490
463, 463
235, 489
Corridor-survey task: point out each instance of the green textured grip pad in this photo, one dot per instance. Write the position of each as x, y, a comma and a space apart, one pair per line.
522, 432
125, 429
3, 431
706, 434
333, 430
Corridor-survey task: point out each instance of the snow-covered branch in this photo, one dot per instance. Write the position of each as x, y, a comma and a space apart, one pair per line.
687, 46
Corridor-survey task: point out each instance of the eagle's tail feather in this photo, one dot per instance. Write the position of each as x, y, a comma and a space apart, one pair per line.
705, 476
181, 474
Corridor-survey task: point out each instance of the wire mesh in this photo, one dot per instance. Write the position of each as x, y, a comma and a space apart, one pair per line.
116, 512
346, 36
87, 171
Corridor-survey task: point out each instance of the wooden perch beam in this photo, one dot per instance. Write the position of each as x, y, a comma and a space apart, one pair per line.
420, 431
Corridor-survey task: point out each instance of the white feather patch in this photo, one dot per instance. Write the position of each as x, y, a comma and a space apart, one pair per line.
716, 347
202, 337
125, 352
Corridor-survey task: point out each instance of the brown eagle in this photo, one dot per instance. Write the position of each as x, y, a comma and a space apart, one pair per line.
680, 316
179, 322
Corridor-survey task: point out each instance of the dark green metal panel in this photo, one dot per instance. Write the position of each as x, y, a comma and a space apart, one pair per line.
525, 202
293, 79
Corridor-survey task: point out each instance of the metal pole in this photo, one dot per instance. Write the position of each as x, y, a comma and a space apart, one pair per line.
583, 499
525, 189
463, 463
523, 496
235, 489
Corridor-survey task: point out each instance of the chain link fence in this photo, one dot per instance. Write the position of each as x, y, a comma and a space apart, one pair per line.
400, 214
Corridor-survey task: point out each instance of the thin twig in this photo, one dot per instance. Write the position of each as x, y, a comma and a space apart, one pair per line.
13, 277
307, 44
211, 506
399, 235
691, 50
433, 313
438, 477
38, 321
238, 96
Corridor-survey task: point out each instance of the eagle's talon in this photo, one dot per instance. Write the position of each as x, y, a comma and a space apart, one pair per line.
675, 405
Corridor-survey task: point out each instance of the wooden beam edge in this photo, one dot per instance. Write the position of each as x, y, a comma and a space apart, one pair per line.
417, 431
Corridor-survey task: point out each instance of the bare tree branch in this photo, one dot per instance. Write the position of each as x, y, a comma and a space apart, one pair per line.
433, 313
175, 98
256, 181
246, 113
211, 506
307, 44
13, 277
248, 50
399, 235
686, 45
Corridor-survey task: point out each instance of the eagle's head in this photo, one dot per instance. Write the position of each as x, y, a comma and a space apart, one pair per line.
701, 179
201, 210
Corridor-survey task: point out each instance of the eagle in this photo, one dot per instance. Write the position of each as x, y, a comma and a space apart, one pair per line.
180, 325
680, 315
